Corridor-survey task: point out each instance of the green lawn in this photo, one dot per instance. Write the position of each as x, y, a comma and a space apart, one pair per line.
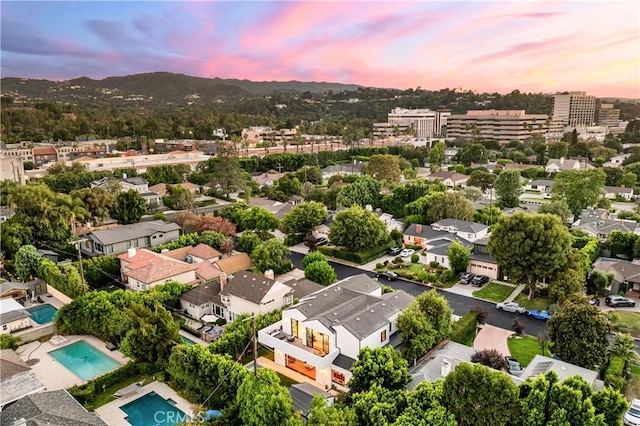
106, 396
538, 303
632, 389
626, 322
493, 292
525, 348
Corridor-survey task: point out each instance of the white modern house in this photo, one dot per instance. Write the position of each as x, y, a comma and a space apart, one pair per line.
321, 336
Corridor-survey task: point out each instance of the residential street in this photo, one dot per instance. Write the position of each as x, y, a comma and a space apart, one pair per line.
460, 304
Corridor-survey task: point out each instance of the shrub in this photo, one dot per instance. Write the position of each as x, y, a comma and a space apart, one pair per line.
464, 330
415, 258
446, 275
518, 327
434, 264
379, 265
491, 358
439, 284
482, 314
386, 262
422, 276
293, 239
613, 376
431, 277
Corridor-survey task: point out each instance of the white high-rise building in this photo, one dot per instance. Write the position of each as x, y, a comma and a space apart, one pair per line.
422, 123
575, 109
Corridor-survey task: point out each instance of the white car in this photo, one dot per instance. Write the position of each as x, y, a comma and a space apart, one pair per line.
407, 252
632, 416
511, 307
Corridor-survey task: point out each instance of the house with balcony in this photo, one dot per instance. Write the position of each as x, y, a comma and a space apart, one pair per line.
322, 335
139, 235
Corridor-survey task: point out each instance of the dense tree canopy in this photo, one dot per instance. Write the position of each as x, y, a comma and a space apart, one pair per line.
530, 247
364, 191
384, 167
380, 366
130, 207
357, 229
579, 188
303, 218
271, 254
508, 188
580, 333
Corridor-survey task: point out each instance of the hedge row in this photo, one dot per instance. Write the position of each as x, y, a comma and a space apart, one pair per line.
464, 330
86, 394
359, 257
614, 375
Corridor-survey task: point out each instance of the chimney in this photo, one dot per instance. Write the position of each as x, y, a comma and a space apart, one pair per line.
223, 281
269, 274
124, 176
418, 228
131, 252
561, 161
445, 368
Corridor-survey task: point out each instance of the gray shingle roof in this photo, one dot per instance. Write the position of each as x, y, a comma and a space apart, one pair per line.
343, 362
426, 232
248, 286
462, 225
302, 394
55, 408
7, 317
303, 287
130, 232
16, 378
203, 294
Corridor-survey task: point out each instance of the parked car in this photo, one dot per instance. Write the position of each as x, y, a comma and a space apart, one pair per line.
618, 301
543, 315
511, 307
513, 366
322, 241
389, 275
466, 277
479, 280
594, 301
407, 252
395, 251
632, 416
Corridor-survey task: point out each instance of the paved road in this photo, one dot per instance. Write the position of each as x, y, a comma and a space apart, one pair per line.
460, 304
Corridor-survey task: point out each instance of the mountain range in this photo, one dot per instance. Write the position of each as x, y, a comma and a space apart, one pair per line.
160, 86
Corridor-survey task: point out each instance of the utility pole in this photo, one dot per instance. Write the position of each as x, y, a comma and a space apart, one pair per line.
490, 204
77, 244
255, 344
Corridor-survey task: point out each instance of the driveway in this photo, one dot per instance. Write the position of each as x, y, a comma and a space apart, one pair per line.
491, 337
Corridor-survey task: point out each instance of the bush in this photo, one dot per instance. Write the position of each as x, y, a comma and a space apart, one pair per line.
293, 239
415, 258
434, 264
446, 275
379, 265
464, 330
614, 375
492, 358
398, 259
386, 262
422, 276
482, 314
518, 327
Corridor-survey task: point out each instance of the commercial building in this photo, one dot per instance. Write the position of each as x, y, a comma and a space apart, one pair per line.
503, 126
608, 116
575, 109
421, 123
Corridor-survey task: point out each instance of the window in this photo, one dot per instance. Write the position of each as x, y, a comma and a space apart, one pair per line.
294, 328
226, 299
317, 340
109, 249
4, 327
288, 299
338, 377
233, 316
383, 336
99, 247
147, 241
218, 311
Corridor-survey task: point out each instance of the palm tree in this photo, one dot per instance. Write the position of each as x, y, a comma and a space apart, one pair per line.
72, 208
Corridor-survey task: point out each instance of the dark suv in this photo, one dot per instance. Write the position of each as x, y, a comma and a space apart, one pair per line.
479, 280
618, 301
390, 276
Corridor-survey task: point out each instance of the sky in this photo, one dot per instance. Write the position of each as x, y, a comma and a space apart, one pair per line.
484, 46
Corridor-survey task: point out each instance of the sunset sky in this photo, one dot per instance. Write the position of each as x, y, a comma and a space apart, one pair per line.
533, 46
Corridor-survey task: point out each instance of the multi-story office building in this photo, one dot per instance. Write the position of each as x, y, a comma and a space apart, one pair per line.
608, 116
421, 123
575, 108
503, 126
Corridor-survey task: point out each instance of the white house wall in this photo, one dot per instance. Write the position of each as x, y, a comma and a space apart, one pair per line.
442, 260
349, 344
373, 340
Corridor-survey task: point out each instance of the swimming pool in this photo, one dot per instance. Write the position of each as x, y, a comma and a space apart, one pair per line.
42, 314
151, 410
186, 341
84, 360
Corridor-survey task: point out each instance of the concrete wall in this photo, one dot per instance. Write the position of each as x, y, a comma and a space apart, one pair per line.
35, 333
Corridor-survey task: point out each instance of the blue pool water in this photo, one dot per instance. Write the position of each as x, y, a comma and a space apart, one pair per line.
187, 341
153, 410
42, 314
84, 360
